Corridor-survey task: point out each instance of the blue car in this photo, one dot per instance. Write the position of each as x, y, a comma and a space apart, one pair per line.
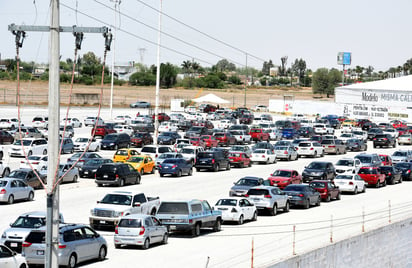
175, 167
289, 133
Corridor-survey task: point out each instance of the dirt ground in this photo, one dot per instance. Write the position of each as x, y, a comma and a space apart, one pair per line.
36, 92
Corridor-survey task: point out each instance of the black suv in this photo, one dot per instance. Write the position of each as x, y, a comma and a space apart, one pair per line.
116, 141
386, 140
318, 170
212, 160
116, 173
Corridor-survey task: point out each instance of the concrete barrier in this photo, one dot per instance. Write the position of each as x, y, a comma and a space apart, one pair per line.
388, 246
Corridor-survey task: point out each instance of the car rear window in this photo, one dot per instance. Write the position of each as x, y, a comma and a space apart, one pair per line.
149, 150
343, 177
317, 184
368, 171
173, 208
164, 149
130, 223
258, 192
36, 237
205, 155
305, 144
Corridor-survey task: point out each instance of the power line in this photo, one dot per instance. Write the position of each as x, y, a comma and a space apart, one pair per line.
169, 35
134, 35
203, 33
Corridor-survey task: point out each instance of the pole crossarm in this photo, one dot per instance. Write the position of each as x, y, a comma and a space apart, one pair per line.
70, 29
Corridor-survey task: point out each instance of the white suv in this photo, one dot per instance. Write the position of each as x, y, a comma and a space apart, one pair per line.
310, 148
31, 146
40, 121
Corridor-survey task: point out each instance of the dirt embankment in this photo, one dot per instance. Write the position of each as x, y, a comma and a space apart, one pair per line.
36, 93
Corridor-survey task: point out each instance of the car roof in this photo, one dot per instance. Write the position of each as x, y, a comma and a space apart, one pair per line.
266, 187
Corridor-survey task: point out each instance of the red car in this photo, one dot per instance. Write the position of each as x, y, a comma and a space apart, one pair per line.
140, 139
398, 123
225, 139
283, 177
258, 134
161, 117
327, 189
197, 141
103, 131
372, 176
386, 160
210, 141
207, 124
239, 159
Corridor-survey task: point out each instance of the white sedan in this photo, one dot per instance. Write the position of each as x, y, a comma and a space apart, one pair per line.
9, 258
350, 183
168, 126
237, 209
405, 139
263, 156
81, 143
124, 129
71, 121
123, 119
36, 161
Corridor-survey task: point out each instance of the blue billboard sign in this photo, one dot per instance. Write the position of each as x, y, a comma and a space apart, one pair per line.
347, 57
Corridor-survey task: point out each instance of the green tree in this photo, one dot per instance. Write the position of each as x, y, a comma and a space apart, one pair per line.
282, 67
224, 65
168, 74
266, 67
320, 81
142, 79
234, 79
299, 68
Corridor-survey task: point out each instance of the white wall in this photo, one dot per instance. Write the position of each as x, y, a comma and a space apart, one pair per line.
389, 246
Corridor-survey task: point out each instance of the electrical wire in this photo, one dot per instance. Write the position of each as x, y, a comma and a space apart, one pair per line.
136, 36
203, 33
169, 35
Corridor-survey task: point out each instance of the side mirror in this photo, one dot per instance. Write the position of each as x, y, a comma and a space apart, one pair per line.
98, 202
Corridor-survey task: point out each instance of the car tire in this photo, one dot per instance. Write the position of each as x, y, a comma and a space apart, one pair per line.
102, 253
153, 171
30, 197
328, 198
179, 173
29, 153
314, 155
141, 172
75, 178
254, 218
216, 168
240, 220
217, 227
165, 239
364, 189
318, 202
355, 192
121, 182
338, 196
378, 184
44, 152
6, 172
117, 245
307, 204
228, 166
72, 261
274, 210
287, 207
146, 244
10, 200
116, 147
197, 169
190, 172
196, 230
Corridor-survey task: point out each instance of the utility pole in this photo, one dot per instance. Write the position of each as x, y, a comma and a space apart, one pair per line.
142, 51
52, 219
113, 54
244, 101
159, 33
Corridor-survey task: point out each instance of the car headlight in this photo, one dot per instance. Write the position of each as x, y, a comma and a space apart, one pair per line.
112, 143
4, 235
94, 170
118, 213
317, 173
92, 212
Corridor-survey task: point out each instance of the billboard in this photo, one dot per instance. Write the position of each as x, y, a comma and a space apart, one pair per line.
344, 58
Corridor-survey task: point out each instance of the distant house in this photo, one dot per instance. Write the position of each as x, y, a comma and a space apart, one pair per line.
123, 71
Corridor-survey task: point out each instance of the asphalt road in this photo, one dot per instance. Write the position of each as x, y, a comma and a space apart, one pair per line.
272, 237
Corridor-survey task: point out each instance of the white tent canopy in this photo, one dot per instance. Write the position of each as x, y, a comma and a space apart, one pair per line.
212, 98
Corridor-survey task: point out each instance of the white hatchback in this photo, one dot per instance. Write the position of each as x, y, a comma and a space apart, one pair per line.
350, 183
310, 148
30, 146
237, 209
124, 129
263, 156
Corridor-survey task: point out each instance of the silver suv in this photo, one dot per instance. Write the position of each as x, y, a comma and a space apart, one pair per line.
14, 236
77, 243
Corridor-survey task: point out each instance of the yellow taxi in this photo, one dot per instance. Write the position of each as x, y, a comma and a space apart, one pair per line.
350, 122
122, 155
142, 164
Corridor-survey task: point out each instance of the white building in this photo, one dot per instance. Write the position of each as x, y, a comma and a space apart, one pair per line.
379, 100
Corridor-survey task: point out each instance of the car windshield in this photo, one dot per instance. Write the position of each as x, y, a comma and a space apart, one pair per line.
364, 159
317, 184
17, 174
94, 162
293, 188
398, 153
227, 202
345, 162
110, 137
343, 177
82, 140
187, 151
149, 150
173, 208
135, 159
29, 222
317, 165
328, 142
130, 223
346, 135
247, 182
117, 199
25, 142
282, 173
122, 152
259, 151
235, 155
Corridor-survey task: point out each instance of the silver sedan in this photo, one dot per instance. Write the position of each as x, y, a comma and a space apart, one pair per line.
14, 189
71, 176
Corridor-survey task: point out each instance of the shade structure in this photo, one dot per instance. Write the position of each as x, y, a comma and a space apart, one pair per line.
211, 98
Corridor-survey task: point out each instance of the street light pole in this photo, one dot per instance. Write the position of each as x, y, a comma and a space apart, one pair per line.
244, 101
159, 33
113, 54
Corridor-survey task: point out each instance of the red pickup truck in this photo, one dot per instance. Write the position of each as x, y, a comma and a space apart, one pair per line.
259, 134
210, 141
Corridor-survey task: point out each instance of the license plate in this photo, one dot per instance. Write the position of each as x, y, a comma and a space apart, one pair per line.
256, 199
105, 176
102, 222
13, 245
86, 172
172, 227
40, 252
202, 162
166, 167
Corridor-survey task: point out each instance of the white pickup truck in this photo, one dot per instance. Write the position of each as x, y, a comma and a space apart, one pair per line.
115, 204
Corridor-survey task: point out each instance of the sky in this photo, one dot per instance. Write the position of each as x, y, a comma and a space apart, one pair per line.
245, 32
